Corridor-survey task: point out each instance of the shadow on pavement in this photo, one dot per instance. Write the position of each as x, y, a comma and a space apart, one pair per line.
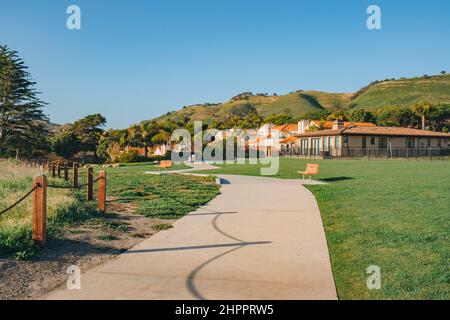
222, 245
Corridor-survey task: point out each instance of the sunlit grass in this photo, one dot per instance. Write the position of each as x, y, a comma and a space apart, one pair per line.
394, 214
16, 179
165, 196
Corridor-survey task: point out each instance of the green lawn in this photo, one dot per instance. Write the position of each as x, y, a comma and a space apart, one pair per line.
394, 214
165, 196
148, 166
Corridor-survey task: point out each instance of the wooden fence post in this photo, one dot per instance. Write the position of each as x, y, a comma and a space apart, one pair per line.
75, 174
102, 192
39, 216
59, 169
90, 175
66, 172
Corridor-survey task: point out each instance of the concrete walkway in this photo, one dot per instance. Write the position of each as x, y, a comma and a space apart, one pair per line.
262, 238
194, 166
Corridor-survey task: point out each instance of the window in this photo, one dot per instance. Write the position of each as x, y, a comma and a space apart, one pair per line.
372, 140
304, 146
315, 145
409, 142
337, 142
327, 143
382, 143
345, 139
428, 142
364, 142
439, 143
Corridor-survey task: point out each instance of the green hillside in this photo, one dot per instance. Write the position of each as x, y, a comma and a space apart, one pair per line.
295, 104
400, 93
404, 93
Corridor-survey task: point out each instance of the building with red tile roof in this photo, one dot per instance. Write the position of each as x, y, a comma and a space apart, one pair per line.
363, 140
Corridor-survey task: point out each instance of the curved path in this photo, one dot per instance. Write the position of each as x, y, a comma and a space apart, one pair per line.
261, 238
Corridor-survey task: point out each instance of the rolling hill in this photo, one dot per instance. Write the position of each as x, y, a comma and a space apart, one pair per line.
404, 93
398, 93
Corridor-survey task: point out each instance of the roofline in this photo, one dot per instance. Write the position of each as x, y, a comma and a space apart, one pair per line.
437, 135
341, 132
317, 134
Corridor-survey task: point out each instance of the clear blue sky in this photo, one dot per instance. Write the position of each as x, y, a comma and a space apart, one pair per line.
134, 60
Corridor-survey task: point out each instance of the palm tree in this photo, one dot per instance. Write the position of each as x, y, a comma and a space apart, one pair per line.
337, 116
163, 137
145, 133
132, 135
147, 130
422, 109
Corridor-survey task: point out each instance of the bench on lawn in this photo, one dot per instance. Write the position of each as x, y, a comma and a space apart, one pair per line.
311, 169
165, 164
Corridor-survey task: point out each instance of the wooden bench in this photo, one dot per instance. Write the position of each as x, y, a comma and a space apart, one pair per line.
311, 169
166, 164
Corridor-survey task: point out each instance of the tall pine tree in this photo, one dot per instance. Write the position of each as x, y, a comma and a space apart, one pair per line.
22, 121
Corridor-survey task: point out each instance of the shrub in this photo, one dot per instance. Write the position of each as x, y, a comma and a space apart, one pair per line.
38, 153
131, 156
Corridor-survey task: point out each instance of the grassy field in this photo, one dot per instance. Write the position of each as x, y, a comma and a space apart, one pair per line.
148, 166
394, 214
161, 196
63, 207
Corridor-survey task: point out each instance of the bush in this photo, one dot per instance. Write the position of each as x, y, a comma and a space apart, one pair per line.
38, 153
131, 156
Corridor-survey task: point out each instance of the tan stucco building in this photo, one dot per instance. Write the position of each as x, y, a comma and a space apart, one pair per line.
365, 141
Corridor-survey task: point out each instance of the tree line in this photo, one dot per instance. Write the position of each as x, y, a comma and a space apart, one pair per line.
24, 128
422, 115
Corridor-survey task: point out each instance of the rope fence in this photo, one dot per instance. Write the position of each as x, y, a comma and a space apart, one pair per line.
18, 201
72, 187
39, 191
